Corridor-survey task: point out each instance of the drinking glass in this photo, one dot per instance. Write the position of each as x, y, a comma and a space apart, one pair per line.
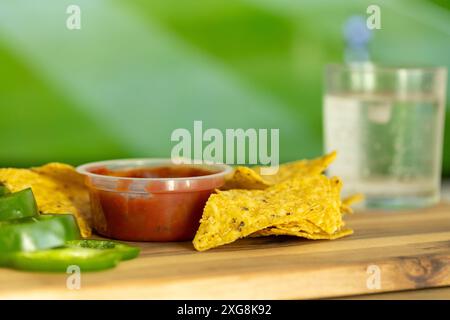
386, 123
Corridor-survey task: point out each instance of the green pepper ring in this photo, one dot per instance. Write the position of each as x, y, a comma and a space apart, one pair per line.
60, 259
37, 233
127, 252
17, 205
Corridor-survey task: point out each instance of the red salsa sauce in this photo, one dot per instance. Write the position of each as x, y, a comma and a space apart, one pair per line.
150, 216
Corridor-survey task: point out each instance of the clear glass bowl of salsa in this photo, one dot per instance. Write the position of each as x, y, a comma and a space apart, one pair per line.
150, 199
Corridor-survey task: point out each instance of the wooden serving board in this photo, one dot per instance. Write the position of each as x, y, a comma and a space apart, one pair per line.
410, 248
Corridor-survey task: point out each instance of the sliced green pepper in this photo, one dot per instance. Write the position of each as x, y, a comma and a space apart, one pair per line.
127, 252
88, 255
58, 260
36, 233
3, 190
18, 205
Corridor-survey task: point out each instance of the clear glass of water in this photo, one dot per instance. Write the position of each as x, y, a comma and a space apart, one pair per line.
387, 126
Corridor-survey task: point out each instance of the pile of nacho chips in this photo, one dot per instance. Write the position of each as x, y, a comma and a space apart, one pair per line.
57, 187
297, 201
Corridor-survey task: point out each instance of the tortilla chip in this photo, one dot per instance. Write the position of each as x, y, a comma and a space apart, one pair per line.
233, 214
347, 202
57, 187
302, 225
282, 231
315, 198
251, 178
245, 178
299, 168
357, 197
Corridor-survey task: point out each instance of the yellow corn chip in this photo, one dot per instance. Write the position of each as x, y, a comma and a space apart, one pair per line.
282, 231
299, 168
57, 187
250, 178
347, 202
233, 214
301, 225
245, 178
357, 197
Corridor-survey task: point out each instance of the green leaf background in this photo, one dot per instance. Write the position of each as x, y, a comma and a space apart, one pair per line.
139, 69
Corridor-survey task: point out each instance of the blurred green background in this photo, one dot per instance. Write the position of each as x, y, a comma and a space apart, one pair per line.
139, 69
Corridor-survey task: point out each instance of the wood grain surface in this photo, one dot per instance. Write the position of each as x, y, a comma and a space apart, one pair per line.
410, 248
419, 294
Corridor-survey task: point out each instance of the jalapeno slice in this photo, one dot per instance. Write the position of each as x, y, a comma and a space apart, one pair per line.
59, 260
88, 255
18, 205
126, 252
47, 243
37, 233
